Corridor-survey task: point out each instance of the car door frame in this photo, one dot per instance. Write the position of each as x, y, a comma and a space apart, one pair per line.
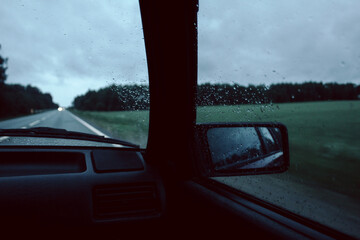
170, 34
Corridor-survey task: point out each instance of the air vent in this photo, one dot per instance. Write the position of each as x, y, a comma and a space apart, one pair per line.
118, 201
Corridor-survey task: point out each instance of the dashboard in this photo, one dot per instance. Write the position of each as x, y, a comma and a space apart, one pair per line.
82, 186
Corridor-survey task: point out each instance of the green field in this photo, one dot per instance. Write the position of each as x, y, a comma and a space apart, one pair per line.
126, 125
324, 136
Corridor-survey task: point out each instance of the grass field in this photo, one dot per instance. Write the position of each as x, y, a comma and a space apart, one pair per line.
126, 125
324, 136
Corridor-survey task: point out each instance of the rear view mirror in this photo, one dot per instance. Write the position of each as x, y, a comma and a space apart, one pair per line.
242, 149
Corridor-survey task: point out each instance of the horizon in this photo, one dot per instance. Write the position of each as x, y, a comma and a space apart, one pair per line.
67, 52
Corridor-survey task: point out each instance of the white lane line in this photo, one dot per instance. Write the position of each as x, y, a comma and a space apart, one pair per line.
23, 127
89, 126
93, 129
34, 123
3, 138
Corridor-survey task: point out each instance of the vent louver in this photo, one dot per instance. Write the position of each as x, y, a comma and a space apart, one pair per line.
119, 201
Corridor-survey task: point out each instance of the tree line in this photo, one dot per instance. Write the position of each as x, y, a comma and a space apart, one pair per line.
114, 98
232, 94
16, 99
136, 97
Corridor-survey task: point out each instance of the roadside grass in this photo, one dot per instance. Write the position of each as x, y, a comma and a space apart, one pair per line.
324, 136
324, 139
126, 125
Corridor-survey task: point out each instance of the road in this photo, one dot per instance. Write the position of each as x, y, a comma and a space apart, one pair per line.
54, 119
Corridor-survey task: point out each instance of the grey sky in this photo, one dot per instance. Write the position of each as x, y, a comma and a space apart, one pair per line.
279, 41
68, 47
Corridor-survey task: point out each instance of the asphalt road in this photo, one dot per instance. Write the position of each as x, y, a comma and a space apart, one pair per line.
54, 119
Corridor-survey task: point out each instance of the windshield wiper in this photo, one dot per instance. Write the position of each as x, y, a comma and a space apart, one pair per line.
62, 133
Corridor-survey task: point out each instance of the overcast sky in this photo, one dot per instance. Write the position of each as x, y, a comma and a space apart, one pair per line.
279, 41
68, 47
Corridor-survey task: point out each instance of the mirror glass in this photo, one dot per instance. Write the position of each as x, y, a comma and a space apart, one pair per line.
234, 148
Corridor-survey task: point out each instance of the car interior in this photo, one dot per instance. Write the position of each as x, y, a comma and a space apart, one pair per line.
165, 190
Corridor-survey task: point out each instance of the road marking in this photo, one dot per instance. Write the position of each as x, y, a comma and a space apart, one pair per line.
89, 126
3, 138
43, 118
93, 129
34, 123
23, 127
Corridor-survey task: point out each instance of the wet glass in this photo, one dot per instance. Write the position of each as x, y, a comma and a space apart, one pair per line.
231, 145
235, 148
75, 65
294, 62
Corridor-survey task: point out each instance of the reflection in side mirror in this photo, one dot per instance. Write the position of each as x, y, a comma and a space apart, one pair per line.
239, 149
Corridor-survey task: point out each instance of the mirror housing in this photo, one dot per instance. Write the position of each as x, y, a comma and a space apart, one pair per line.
235, 149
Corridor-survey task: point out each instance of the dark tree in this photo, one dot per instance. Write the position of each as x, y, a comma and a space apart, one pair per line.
114, 98
3, 67
135, 97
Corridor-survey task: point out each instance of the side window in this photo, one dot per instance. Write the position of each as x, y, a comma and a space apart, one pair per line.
297, 63
270, 142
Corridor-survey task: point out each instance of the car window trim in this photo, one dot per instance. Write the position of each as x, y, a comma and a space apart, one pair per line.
287, 218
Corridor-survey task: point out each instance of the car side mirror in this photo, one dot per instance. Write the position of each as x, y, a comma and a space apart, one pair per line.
229, 149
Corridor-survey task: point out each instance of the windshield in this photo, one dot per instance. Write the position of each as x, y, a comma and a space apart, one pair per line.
74, 65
